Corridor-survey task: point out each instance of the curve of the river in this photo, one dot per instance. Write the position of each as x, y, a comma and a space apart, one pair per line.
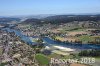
49, 41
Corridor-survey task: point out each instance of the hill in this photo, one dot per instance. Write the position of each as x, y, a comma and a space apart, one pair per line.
71, 18
9, 19
62, 19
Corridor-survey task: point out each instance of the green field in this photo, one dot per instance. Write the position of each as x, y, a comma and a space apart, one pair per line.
85, 38
68, 29
42, 59
3, 64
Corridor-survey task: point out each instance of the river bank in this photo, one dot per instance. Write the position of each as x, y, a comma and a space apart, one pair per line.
48, 41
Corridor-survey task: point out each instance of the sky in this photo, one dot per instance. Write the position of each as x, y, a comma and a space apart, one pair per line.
34, 7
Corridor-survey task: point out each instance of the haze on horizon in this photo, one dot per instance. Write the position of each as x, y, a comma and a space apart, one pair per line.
33, 7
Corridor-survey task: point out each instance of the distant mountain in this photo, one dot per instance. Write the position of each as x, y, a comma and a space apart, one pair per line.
5, 19
63, 19
70, 18
40, 16
32, 21
1, 16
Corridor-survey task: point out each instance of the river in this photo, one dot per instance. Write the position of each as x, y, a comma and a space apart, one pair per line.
49, 41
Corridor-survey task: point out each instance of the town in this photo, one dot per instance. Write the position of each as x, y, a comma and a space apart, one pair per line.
49, 32
28, 44
14, 52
